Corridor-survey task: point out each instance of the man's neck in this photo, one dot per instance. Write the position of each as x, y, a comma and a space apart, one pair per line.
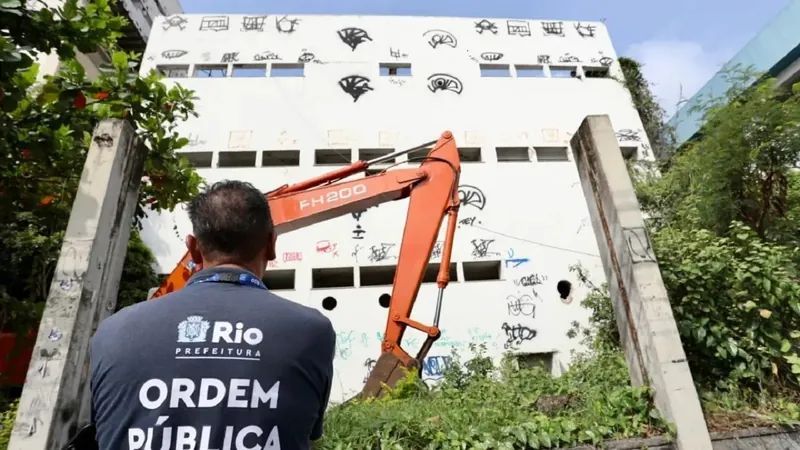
247, 267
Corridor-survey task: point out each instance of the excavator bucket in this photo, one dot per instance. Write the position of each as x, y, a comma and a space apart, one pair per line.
388, 370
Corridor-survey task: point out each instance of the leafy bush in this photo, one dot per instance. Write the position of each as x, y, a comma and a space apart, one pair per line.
737, 303
7, 417
485, 407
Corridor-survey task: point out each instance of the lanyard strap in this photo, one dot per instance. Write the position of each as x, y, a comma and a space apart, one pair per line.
244, 279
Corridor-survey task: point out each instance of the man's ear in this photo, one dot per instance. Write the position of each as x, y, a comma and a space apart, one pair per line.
194, 249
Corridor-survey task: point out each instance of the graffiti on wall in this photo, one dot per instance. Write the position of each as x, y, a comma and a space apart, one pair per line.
286, 25
567, 58
471, 196
543, 59
629, 135
444, 82
553, 28
517, 334
468, 222
173, 54
266, 56
214, 23
437, 250
512, 261
518, 28
355, 86
253, 23
481, 248
639, 245
521, 305
585, 30
327, 247
349, 342
491, 56
381, 252
396, 53
229, 57
438, 38
171, 22
353, 37
292, 257
434, 367
485, 25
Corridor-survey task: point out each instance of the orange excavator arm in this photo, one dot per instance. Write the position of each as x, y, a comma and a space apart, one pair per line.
432, 189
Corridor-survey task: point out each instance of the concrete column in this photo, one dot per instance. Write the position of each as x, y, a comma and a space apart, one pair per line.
647, 327
83, 291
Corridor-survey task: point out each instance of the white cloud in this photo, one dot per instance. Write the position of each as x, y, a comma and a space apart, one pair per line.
677, 68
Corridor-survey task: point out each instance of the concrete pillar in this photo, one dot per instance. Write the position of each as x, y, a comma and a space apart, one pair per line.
83, 291
647, 327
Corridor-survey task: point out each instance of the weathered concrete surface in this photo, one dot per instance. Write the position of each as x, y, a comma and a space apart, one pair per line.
83, 290
644, 317
751, 439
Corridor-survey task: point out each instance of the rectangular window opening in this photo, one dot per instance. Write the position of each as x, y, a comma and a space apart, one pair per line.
469, 154
629, 153
198, 159
563, 72
418, 155
280, 158
287, 70
332, 277
377, 275
367, 154
210, 71
280, 279
433, 271
595, 72
173, 71
550, 154
530, 361
495, 70
395, 69
332, 157
249, 70
530, 72
237, 159
481, 270
513, 154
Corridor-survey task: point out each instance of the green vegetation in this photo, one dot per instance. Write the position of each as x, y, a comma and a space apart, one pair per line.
45, 132
482, 407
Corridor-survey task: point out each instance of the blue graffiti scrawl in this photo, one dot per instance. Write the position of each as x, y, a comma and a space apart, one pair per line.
514, 262
433, 367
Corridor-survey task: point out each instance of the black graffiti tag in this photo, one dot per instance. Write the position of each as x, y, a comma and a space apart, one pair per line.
377, 254
531, 280
517, 334
522, 305
353, 37
471, 196
480, 248
355, 85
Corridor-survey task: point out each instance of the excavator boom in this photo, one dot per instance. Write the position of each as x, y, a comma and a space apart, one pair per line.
432, 189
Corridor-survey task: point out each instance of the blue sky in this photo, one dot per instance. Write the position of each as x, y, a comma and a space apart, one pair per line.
682, 43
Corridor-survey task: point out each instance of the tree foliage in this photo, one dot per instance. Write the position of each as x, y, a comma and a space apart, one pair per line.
45, 133
661, 136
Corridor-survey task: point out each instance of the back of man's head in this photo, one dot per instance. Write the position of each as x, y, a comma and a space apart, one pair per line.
231, 222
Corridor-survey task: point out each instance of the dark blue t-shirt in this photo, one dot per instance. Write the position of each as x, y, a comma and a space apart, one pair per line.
217, 366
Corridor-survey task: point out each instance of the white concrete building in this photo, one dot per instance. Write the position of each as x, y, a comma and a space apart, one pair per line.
285, 98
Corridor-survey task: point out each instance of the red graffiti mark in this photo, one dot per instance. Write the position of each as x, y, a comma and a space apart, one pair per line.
292, 256
272, 264
328, 247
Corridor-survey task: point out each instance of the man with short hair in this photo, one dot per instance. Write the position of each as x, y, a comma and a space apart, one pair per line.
223, 363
